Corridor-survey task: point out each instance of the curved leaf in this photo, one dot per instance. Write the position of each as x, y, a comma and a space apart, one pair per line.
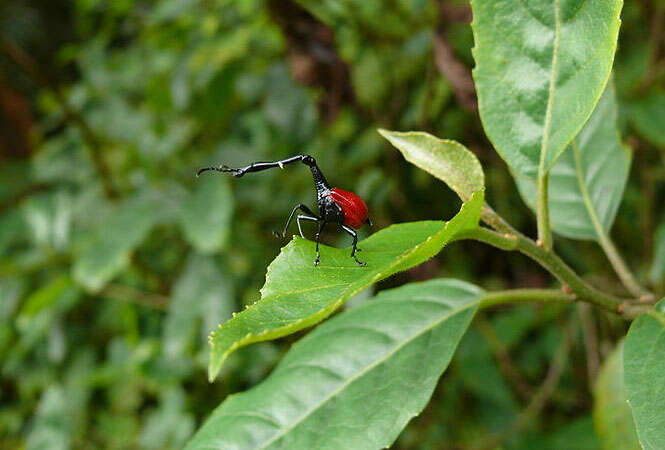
644, 366
587, 182
612, 416
356, 380
297, 295
448, 161
541, 66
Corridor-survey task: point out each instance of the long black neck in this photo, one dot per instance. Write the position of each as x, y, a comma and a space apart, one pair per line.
320, 182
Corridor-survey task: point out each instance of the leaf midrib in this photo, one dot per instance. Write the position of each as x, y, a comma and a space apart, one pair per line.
552, 88
365, 370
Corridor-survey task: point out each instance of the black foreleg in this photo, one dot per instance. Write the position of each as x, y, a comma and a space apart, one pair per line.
304, 209
254, 167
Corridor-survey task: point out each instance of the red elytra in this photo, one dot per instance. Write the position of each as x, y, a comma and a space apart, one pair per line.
354, 208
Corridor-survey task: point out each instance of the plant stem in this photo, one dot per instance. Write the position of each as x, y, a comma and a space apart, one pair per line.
525, 296
543, 213
491, 218
550, 261
502, 356
544, 393
620, 267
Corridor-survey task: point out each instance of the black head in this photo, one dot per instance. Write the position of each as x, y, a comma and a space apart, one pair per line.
309, 161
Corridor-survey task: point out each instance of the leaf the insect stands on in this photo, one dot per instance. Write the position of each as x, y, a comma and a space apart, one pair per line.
297, 294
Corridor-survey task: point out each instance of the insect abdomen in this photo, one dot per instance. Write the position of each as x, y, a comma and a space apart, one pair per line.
354, 208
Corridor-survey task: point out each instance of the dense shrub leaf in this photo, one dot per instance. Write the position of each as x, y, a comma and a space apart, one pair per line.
644, 366
648, 117
107, 253
612, 416
449, 161
541, 67
297, 294
201, 293
587, 182
355, 381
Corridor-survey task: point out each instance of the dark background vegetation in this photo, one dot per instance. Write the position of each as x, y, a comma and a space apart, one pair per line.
107, 108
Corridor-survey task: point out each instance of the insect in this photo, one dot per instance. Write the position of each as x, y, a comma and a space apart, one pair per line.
337, 206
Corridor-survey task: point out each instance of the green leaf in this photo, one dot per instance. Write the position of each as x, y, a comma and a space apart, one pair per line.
613, 418
107, 253
448, 161
648, 117
50, 428
644, 366
576, 435
587, 182
297, 294
541, 67
356, 380
201, 293
170, 425
206, 217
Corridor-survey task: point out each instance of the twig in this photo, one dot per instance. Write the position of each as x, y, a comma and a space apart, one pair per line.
544, 392
455, 13
613, 255
554, 264
505, 363
590, 342
455, 72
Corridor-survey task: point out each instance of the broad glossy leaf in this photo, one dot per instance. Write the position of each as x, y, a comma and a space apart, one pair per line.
648, 117
541, 66
644, 366
201, 294
613, 418
356, 380
107, 253
588, 181
297, 294
448, 161
206, 216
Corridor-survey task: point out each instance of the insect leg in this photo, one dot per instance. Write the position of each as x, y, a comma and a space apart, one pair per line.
303, 217
301, 207
254, 167
355, 248
322, 224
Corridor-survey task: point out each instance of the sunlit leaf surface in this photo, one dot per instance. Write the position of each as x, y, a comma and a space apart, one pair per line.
356, 380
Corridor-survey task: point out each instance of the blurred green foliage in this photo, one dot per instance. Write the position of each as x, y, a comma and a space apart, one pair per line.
116, 263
